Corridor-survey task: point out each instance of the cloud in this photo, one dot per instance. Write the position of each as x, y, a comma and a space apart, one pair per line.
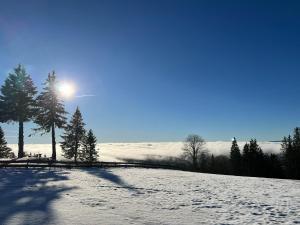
85, 95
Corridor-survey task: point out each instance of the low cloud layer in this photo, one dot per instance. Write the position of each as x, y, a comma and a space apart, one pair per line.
115, 151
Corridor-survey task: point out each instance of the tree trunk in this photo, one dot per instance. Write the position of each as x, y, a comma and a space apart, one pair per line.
53, 143
21, 140
75, 157
75, 153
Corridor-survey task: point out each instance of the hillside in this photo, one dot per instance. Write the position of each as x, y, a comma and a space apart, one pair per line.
143, 196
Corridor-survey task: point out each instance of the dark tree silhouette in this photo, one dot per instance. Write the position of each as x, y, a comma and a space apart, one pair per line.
253, 159
88, 151
288, 156
296, 147
203, 162
2, 111
246, 159
17, 101
5, 151
193, 146
73, 136
273, 166
291, 154
235, 157
222, 164
212, 164
50, 112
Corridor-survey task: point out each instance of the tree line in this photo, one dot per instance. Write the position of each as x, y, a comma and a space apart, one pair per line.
21, 103
250, 161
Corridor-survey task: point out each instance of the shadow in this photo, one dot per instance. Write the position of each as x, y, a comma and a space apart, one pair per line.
26, 196
108, 175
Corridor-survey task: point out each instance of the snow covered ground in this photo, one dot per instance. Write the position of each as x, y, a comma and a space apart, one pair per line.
119, 151
143, 196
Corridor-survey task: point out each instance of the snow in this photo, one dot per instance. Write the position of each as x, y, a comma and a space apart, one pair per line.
121, 151
143, 196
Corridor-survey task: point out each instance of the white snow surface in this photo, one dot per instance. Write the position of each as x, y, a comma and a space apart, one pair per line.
143, 196
120, 151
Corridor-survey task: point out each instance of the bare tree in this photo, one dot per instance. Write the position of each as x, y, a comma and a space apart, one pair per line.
193, 146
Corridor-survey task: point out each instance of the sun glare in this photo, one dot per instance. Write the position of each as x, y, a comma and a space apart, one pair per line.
66, 89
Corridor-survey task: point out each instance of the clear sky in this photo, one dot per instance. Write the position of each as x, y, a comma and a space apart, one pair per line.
159, 70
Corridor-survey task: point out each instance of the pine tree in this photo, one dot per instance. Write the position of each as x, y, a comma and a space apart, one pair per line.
5, 152
235, 157
73, 136
296, 148
246, 159
17, 101
291, 154
2, 111
89, 152
50, 112
254, 159
288, 156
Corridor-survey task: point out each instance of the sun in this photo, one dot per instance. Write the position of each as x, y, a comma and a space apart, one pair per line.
66, 89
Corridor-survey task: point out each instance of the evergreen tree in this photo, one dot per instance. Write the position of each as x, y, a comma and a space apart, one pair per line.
73, 136
291, 154
2, 111
246, 159
89, 152
235, 157
288, 156
253, 159
296, 147
5, 152
17, 101
50, 112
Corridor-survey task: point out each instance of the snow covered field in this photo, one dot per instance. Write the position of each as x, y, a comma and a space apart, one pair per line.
119, 151
143, 196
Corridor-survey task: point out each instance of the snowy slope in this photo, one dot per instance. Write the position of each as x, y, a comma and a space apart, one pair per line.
119, 151
143, 196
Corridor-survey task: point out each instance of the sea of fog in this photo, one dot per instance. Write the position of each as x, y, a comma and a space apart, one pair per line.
120, 151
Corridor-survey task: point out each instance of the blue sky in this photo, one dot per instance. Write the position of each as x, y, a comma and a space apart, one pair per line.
160, 70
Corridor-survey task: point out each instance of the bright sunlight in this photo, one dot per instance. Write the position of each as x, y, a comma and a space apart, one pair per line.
66, 89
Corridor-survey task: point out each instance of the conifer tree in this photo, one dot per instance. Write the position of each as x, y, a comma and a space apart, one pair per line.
288, 156
73, 136
5, 152
246, 159
296, 147
291, 153
50, 112
235, 157
2, 111
89, 152
17, 101
254, 158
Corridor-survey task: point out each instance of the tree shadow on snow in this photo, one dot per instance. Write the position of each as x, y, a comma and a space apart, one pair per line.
25, 196
113, 178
